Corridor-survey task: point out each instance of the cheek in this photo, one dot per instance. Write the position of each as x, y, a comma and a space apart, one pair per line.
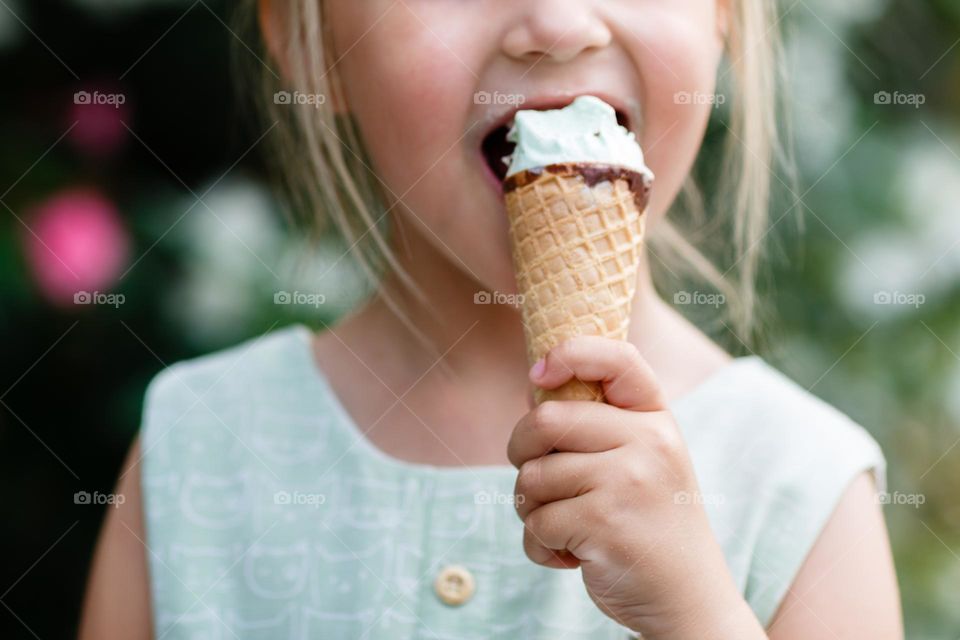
405, 87
411, 94
679, 56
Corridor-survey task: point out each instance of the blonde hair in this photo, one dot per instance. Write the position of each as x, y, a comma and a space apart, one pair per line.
319, 157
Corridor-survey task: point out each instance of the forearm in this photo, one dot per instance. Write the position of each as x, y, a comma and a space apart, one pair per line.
727, 617
736, 622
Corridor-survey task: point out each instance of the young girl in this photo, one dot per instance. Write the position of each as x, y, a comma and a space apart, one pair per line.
363, 482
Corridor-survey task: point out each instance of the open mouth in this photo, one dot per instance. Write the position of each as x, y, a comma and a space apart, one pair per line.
496, 147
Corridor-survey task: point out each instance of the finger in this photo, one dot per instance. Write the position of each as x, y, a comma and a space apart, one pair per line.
547, 557
584, 427
550, 533
554, 477
628, 381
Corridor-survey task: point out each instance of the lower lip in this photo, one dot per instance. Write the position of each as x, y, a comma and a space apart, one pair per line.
491, 176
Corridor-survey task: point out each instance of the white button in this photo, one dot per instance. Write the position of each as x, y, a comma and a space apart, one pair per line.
454, 585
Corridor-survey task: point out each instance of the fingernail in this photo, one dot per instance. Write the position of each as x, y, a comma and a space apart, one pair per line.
537, 370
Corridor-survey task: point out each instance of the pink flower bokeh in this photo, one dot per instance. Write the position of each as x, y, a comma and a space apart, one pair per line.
77, 242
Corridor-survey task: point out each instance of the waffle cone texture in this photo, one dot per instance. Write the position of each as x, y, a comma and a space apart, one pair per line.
576, 233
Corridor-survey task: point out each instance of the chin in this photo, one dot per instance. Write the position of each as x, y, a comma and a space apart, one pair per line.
494, 274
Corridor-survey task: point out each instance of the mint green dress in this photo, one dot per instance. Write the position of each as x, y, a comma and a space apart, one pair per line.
270, 516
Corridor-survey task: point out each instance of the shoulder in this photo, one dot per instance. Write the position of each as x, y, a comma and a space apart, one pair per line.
769, 422
255, 409
222, 431
263, 358
222, 387
777, 459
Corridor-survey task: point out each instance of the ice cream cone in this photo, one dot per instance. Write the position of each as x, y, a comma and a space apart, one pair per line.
576, 231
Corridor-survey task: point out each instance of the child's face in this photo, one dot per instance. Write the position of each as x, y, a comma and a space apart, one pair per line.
411, 70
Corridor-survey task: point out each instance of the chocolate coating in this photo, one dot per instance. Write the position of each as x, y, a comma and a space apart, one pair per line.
592, 173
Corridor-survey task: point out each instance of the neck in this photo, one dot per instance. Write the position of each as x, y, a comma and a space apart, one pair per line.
482, 340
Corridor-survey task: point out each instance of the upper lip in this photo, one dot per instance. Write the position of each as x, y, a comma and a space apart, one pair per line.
502, 117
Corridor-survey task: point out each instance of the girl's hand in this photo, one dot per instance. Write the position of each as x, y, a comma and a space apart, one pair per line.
610, 488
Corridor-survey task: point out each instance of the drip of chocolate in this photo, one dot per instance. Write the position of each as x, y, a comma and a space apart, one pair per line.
592, 173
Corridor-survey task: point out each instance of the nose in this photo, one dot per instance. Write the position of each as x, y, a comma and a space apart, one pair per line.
556, 29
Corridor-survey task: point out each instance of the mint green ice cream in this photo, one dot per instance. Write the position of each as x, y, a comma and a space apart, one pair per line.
584, 131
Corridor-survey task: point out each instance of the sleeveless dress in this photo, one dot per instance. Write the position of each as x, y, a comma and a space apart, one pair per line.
269, 515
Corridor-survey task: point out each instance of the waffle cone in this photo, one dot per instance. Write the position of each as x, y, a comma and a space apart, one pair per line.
576, 238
